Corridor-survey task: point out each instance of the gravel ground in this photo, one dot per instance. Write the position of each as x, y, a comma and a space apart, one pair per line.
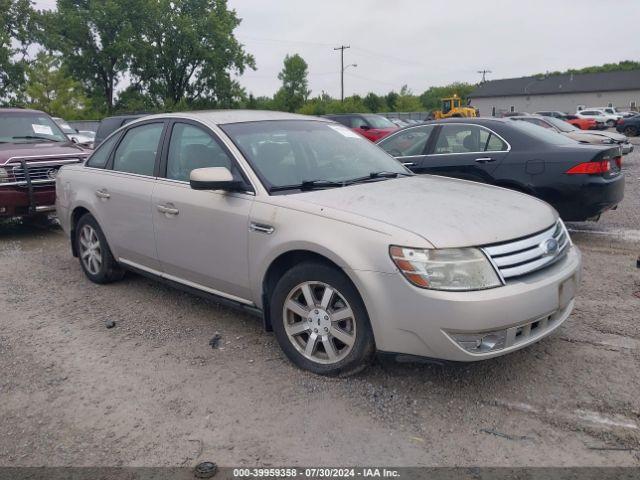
152, 392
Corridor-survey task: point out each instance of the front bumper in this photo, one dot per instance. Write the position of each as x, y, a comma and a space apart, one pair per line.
18, 202
413, 321
626, 148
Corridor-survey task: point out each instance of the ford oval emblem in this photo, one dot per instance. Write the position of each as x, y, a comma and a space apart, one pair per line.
549, 247
51, 173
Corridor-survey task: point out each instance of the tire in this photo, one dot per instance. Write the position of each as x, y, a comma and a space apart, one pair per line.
611, 123
94, 253
348, 344
630, 131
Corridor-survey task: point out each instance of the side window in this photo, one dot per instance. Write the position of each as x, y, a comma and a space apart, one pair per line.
137, 150
491, 142
408, 142
192, 147
459, 139
100, 157
357, 122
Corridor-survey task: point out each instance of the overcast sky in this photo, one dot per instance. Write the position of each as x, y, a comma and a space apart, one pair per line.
425, 43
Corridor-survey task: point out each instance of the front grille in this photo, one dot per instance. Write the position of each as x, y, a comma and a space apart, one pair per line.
41, 173
527, 255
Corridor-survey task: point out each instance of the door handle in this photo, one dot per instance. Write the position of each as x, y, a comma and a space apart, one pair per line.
409, 164
168, 209
485, 160
102, 193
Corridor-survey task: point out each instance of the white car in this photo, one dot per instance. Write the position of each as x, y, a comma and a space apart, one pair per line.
341, 249
600, 116
73, 134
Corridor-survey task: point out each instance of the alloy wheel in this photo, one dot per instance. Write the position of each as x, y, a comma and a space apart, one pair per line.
319, 322
90, 249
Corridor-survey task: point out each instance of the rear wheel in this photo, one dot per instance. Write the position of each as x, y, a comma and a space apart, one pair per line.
95, 256
611, 123
320, 321
630, 131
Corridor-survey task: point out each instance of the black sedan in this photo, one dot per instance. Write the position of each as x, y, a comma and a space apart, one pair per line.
630, 126
580, 181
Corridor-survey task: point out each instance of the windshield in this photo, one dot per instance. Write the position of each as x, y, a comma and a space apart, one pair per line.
64, 126
29, 128
378, 121
561, 124
290, 152
542, 134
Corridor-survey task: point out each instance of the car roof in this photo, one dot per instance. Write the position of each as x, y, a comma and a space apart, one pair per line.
476, 120
221, 117
20, 110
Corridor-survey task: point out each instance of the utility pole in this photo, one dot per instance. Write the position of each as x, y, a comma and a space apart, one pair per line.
484, 74
342, 48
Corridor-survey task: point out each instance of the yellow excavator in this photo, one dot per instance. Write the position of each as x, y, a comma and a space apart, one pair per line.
451, 107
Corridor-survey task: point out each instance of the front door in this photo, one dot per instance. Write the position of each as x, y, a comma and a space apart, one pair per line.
201, 236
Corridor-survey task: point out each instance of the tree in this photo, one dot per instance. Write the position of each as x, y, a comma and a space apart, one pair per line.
294, 91
51, 89
407, 101
374, 102
391, 98
432, 97
186, 51
95, 40
15, 19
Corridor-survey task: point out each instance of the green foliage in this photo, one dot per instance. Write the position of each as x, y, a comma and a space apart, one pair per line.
407, 101
295, 86
431, 98
15, 19
186, 51
607, 67
390, 99
51, 89
95, 40
374, 103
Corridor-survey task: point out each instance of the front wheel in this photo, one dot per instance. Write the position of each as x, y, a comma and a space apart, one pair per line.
95, 256
630, 131
611, 123
320, 321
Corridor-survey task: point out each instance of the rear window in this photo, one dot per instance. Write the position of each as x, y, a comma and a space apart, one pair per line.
542, 134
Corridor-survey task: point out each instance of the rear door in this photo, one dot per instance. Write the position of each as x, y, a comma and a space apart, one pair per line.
201, 236
408, 145
462, 150
123, 194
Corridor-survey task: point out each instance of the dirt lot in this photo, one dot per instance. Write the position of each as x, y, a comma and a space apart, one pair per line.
152, 392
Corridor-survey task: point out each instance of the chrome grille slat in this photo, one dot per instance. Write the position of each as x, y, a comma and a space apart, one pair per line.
38, 172
517, 245
527, 255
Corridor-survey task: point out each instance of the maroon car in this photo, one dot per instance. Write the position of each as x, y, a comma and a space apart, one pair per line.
32, 149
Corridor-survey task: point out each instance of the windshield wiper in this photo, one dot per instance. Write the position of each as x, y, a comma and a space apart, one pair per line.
35, 137
377, 175
318, 184
308, 185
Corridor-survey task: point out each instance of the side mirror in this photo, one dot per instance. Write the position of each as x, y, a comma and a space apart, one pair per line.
214, 178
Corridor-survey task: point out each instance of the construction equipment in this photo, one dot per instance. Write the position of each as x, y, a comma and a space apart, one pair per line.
451, 107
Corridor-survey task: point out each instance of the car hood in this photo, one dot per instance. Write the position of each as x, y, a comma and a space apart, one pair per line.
446, 212
10, 151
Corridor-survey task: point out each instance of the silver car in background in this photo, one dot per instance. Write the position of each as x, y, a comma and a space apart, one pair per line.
342, 250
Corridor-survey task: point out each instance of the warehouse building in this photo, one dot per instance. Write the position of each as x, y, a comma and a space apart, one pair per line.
563, 92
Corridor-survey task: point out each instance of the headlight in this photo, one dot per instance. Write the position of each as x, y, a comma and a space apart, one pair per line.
4, 175
455, 269
608, 140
